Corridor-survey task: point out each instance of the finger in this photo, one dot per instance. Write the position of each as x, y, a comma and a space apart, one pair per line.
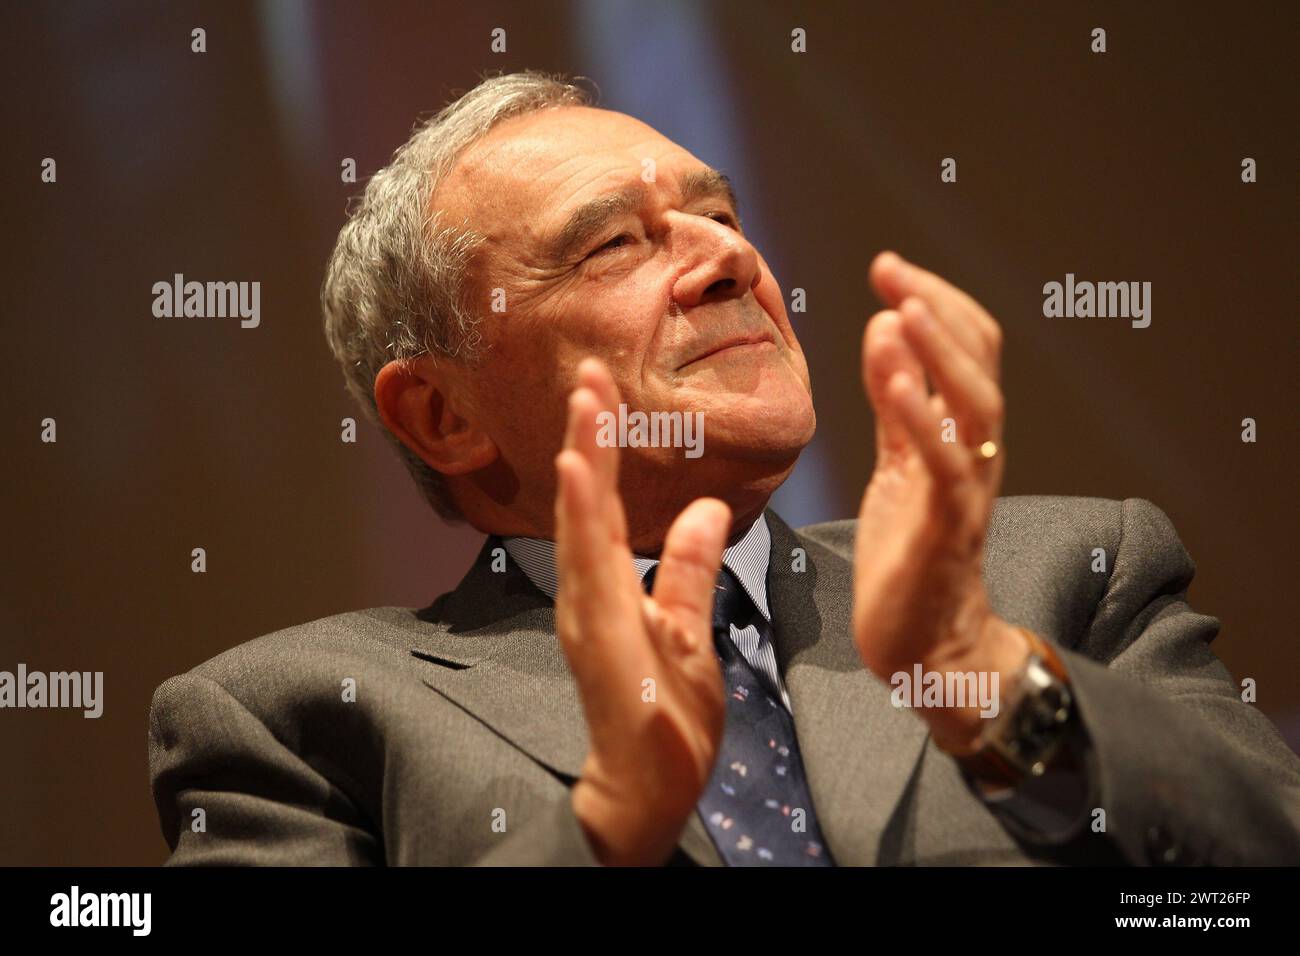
583, 547
618, 584
598, 602
597, 636
894, 278
688, 569
593, 561
595, 379
884, 353
582, 436
948, 462
969, 393
593, 375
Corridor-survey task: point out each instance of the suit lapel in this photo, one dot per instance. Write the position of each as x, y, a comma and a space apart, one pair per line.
859, 751
501, 662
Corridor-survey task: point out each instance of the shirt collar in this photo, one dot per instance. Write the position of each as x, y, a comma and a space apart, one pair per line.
748, 559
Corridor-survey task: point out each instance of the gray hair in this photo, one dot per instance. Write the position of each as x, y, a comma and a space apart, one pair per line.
395, 287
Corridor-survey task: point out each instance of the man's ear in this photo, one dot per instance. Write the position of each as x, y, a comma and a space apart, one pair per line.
421, 401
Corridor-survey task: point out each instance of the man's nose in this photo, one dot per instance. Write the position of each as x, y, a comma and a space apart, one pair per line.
721, 263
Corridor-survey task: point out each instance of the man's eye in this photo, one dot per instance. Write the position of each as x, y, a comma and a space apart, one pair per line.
726, 218
612, 244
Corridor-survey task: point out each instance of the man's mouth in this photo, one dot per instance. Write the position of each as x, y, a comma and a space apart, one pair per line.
750, 341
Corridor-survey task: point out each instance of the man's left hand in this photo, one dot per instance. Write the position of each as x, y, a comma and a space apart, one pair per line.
930, 366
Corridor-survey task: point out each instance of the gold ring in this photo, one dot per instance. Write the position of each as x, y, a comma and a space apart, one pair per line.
987, 451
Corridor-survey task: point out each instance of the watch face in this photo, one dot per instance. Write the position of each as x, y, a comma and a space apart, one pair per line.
1039, 721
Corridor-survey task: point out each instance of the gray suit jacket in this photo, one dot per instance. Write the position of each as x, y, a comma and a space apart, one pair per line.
467, 732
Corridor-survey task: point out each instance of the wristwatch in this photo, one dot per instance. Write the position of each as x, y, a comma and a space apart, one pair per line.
1034, 721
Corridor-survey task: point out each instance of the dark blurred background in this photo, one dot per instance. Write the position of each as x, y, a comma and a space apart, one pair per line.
225, 165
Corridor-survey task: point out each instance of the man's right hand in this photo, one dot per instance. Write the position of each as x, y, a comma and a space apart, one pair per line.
645, 666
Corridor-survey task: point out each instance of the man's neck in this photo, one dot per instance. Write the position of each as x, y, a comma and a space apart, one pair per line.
650, 506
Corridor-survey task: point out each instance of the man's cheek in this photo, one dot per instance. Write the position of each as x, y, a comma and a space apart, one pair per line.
769, 297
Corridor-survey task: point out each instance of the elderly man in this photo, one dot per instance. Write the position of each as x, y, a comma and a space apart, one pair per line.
645, 664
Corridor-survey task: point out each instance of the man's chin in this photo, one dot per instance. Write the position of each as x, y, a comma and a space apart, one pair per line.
775, 448
776, 439
768, 427
775, 435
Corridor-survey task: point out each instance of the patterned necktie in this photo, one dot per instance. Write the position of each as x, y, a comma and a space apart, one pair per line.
756, 807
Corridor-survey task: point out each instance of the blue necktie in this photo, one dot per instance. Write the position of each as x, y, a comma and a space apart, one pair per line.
756, 806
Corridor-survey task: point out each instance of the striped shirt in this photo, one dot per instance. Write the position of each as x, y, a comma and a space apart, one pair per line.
748, 559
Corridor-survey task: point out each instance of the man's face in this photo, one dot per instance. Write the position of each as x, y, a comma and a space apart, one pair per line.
656, 279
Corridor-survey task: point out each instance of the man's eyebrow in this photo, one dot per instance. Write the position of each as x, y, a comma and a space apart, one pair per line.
703, 183
589, 218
